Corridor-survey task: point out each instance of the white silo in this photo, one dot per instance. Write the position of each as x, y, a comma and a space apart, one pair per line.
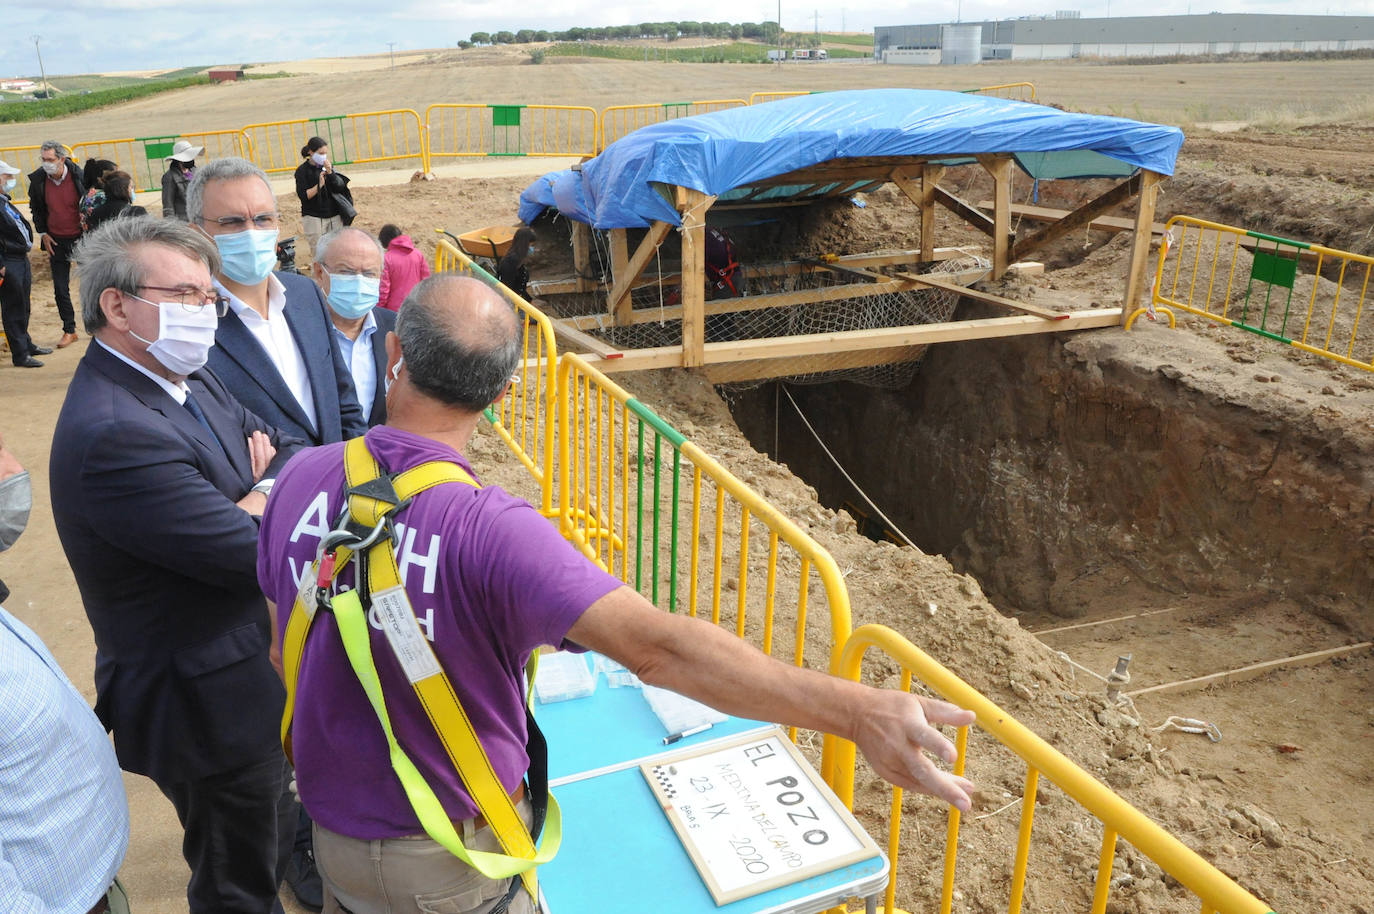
961, 44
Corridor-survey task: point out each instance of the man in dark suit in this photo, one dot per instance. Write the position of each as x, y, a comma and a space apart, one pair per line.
348, 267
158, 479
274, 350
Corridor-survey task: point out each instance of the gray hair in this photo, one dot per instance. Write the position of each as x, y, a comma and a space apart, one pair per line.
54, 146
107, 257
225, 169
328, 238
461, 364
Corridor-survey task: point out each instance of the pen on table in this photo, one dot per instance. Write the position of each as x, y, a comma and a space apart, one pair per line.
672, 738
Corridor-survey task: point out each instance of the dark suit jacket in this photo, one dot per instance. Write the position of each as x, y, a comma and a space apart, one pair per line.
13, 243
386, 323
166, 564
252, 377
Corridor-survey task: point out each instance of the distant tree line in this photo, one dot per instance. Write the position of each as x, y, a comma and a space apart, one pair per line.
664, 31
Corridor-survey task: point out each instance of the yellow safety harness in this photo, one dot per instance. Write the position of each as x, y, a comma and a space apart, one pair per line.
365, 534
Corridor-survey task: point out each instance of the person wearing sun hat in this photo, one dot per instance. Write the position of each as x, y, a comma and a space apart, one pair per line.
181, 167
16, 278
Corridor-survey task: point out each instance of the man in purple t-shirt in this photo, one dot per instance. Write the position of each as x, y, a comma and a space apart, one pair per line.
490, 580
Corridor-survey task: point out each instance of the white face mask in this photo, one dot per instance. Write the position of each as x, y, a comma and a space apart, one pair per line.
9, 184
184, 337
319, 158
52, 168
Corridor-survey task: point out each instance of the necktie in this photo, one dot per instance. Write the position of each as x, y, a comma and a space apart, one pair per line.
194, 409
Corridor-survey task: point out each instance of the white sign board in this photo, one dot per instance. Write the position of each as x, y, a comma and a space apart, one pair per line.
754, 815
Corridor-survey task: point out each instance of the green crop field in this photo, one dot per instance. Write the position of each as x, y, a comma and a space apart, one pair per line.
66, 104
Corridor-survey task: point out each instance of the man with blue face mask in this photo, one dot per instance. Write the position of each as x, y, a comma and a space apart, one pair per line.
157, 478
275, 349
348, 267
64, 820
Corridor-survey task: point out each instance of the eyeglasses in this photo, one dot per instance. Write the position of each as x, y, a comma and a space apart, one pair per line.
192, 298
366, 274
264, 221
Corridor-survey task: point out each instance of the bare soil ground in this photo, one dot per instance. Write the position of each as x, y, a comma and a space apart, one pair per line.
1311, 183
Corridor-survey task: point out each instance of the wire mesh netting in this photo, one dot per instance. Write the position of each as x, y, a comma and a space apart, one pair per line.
864, 311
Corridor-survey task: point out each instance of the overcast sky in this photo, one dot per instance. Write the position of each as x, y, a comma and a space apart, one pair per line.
88, 36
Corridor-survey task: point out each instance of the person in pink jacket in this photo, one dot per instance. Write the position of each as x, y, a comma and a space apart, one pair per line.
402, 267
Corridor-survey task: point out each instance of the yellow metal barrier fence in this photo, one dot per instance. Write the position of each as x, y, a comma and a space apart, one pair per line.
1024, 92
655, 510
24, 158
1306, 295
510, 130
369, 136
619, 120
759, 98
145, 157
525, 417
1217, 892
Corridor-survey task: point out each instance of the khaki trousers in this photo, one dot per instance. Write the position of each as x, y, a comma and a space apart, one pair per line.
412, 875
314, 228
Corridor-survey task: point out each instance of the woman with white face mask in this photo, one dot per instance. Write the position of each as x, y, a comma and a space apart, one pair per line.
318, 186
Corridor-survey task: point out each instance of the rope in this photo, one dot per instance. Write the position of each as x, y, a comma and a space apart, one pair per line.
1191, 725
845, 473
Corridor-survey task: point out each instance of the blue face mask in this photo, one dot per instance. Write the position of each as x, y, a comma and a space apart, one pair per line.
352, 295
248, 256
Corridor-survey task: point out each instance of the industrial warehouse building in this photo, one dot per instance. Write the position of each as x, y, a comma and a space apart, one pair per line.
1067, 36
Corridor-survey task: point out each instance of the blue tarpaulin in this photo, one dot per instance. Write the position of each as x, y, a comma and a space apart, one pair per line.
626, 186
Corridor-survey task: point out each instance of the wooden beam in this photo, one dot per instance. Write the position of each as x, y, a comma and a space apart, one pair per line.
1028, 213
725, 372
1000, 169
1084, 215
855, 340
1254, 670
963, 291
966, 211
643, 254
692, 204
576, 339
620, 268
582, 254
1140, 244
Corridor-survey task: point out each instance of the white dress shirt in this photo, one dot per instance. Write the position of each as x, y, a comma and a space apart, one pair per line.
176, 391
274, 336
358, 354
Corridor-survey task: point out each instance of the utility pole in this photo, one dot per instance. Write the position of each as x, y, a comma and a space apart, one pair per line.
815, 22
391, 46
779, 32
47, 92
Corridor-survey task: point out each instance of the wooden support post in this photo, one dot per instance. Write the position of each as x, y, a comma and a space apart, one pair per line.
582, 254
692, 204
1000, 169
1140, 244
620, 267
930, 179
620, 292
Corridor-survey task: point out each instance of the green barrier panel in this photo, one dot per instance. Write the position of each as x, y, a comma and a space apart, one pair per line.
331, 130
506, 140
1276, 271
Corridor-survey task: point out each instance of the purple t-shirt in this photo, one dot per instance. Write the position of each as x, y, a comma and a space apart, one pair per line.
489, 579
